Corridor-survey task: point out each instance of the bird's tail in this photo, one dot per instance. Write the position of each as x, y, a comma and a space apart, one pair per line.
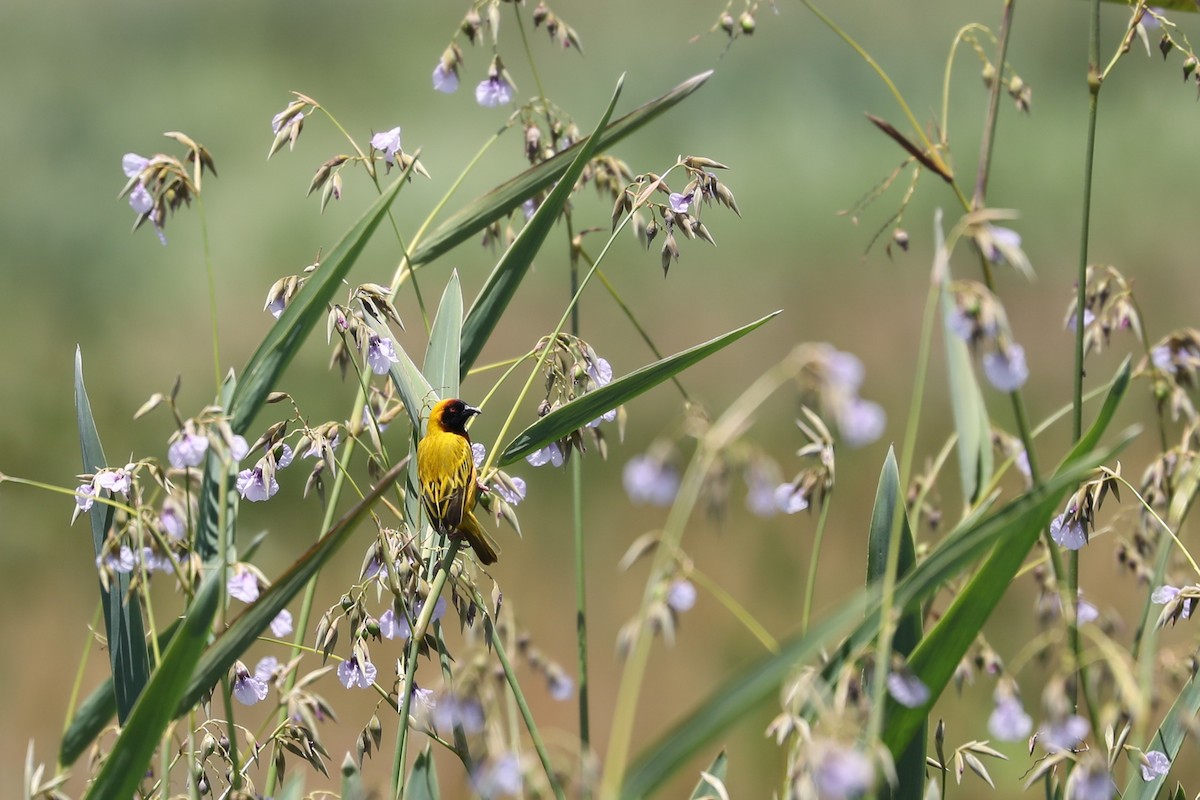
484, 546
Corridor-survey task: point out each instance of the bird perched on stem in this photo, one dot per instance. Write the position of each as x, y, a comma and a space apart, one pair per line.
446, 472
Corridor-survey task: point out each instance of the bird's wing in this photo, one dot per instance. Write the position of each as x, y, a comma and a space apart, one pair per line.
446, 470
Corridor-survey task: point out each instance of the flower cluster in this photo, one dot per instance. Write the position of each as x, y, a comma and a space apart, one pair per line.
977, 317
162, 183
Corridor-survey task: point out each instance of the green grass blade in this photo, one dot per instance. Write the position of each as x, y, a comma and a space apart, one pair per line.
217, 472
582, 410
705, 789
502, 200
1167, 739
910, 766
745, 691
939, 653
352, 784
130, 757
970, 413
122, 619
507, 275
231, 643
96, 711
445, 341
422, 781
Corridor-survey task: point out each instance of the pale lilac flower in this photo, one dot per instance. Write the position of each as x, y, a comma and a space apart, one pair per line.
114, 480
140, 199
649, 480
375, 567
153, 562
600, 371
907, 689
387, 143
286, 455
1068, 533
842, 773
1085, 612
173, 523
451, 711
252, 485
122, 561
264, 670
607, 416
187, 451
353, 672
512, 496
248, 689
760, 492
962, 324
679, 202
1161, 358
85, 496
1008, 721
238, 447
1006, 369
845, 372
445, 80
1164, 594
132, 164
681, 595
1003, 240
381, 354
861, 421
276, 306
1157, 765
1088, 319
789, 499
424, 698
499, 777
562, 688
1021, 462
279, 122
478, 453
1091, 781
1065, 734
390, 627
243, 585
550, 454
493, 91
529, 208
282, 624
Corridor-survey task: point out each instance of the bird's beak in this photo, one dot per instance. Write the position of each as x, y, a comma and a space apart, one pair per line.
472, 411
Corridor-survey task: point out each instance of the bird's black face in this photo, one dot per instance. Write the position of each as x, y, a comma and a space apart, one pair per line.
455, 414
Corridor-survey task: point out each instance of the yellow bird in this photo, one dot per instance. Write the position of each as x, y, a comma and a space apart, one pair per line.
446, 472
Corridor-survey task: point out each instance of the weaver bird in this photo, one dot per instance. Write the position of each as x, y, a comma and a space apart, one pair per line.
446, 472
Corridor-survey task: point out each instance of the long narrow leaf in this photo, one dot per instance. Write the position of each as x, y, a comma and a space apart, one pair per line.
970, 413
910, 766
706, 789
582, 410
445, 342
127, 762
1167, 740
507, 275
938, 655
500, 201
422, 781
122, 618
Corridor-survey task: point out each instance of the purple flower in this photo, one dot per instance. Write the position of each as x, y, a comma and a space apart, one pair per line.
276, 306
85, 496
390, 627
1065, 734
1008, 721
173, 523
114, 480
279, 122
286, 455
789, 499
760, 492
1006, 369
550, 454
140, 200
861, 421
499, 777
353, 672
844, 371
562, 688
907, 689
478, 453
962, 324
1021, 462
1088, 319
451, 711
1085, 612
187, 451
1161, 358
494, 91
132, 164
387, 143
607, 416
1156, 765
1091, 781
1068, 533
238, 448
381, 354
282, 624
843, 772
153, 562
528, 208
246, 688
679, 202
1003, 240
242, 585
512, 496
1164, 594
650, 480
445, 79
252, 485
681, 595
264, 670
600, 371
122, 561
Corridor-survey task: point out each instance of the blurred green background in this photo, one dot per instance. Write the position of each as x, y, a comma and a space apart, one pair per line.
84, 83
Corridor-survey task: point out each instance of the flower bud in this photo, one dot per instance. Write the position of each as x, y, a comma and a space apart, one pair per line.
727, 23
989, 74
1189, 66
746, 20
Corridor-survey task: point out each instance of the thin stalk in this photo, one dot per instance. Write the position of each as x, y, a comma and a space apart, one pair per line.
78, 682
585, 736
212, 289
739, 611
989, 127
811, 584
